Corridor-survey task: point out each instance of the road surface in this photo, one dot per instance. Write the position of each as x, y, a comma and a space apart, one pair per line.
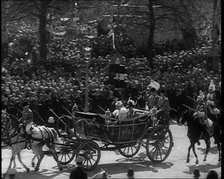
174, 166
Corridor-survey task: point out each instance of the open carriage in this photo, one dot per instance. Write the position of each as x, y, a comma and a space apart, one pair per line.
87, 134
95, 133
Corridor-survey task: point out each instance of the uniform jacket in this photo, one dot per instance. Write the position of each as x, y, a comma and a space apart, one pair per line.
78, 173
27, 115
152, 101
163, 104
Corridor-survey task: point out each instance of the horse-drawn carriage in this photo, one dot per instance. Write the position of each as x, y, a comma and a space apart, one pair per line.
87, 134
95, 133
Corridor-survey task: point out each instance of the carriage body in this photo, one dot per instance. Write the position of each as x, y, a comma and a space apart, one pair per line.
144, 129
91, 126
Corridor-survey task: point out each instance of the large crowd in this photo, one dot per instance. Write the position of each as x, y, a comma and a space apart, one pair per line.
62, 82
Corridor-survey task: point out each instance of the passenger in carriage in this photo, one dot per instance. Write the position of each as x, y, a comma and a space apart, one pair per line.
131, 110
120, 113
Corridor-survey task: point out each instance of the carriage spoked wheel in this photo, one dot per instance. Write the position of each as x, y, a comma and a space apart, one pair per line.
91, 153
159, 144
131, 149
66, 151
64, 126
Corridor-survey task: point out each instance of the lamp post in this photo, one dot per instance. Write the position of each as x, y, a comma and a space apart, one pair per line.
87, 53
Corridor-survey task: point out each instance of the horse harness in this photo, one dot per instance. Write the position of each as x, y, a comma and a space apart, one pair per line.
19, 134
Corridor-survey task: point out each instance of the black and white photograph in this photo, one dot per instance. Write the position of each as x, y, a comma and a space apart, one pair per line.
111, 89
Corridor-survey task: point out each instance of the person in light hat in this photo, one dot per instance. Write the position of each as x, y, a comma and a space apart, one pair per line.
78, 172
120, 112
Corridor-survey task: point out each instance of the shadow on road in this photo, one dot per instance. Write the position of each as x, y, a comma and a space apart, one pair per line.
204, 168
213, 150
135, 163
42, 174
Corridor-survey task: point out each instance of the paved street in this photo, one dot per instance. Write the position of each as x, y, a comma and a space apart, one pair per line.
175, 165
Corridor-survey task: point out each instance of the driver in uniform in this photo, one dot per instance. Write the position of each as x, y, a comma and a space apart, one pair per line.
27, 116
152, 100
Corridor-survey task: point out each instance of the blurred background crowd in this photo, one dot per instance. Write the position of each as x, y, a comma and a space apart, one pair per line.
61, 82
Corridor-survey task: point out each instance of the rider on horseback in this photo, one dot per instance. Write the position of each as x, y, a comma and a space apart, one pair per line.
203, 110
27, 116
211, 102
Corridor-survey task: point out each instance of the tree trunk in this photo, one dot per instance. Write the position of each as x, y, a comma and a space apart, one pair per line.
215, 33
150, 51
42, 32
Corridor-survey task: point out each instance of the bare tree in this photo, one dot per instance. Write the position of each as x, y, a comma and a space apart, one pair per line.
36, 9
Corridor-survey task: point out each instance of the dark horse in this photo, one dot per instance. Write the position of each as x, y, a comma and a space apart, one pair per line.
195, 129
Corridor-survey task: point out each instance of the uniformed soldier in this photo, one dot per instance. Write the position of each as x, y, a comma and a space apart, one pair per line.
211, 102
163, 105
27, 116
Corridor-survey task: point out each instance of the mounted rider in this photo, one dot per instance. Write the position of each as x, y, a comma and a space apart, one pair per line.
27, 116
203, 109
211, 102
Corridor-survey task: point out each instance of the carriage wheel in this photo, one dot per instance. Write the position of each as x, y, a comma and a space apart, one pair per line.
91, 153
64, 126
130, 150
159, 144
80, 129
67, 152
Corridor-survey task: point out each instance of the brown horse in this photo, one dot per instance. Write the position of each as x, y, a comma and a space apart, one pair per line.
19, 140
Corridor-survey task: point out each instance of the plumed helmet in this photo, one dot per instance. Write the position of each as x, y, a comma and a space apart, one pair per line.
119, 103
131, 103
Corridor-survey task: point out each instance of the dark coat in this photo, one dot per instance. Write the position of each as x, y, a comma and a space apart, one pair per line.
78, 173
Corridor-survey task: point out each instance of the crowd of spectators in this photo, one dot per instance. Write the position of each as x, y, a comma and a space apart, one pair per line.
62, 82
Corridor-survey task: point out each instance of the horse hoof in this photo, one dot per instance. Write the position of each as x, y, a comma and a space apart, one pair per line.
4, 175
197, 162
187, 161
27, 170
33, 164
204, 159
36, 169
